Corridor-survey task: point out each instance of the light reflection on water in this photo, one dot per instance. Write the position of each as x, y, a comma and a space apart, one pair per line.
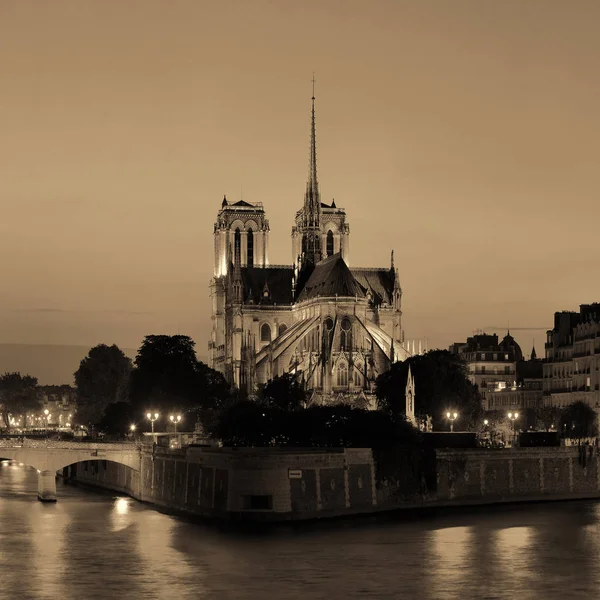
96, 546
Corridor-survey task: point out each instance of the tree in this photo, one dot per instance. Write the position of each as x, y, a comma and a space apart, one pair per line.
117, 418
284, 392
18, 395
441, 384
102, 379
168, 376
248, 423
547, 417
578, 420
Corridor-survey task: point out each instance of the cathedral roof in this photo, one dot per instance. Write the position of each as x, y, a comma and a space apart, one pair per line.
380, 282
331, 277
242, 203
277, 280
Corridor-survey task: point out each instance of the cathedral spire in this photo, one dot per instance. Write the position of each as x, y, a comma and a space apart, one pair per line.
311, 218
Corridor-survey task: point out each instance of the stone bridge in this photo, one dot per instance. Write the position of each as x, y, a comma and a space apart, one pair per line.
49, 456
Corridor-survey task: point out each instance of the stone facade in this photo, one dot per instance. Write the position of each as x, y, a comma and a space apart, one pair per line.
572, 365
335, 327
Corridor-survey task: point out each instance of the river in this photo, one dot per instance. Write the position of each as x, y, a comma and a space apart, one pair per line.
93, 545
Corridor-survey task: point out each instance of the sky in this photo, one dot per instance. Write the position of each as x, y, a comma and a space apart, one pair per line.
462, 134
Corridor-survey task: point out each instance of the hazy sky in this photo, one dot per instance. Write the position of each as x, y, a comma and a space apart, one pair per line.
463, 134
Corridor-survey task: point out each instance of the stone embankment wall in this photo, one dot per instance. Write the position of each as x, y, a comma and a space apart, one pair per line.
281, 484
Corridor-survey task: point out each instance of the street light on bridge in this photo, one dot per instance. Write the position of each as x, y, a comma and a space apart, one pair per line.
152, 417
452, 417
175, 419
513, 416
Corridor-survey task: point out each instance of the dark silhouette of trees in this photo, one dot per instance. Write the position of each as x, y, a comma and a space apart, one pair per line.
578, 420
283, 392
18, 395
168, 376
547, 417
441, 385
248, 423
102, 379
117, 418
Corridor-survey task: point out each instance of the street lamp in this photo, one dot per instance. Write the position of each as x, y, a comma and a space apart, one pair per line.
513, 416
175, 419
47, 415
153, 417
451, 416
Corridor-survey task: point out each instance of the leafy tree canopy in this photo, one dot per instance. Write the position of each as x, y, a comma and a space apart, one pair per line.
117, 418
168, 376
547, 417
101, 379
578, 420
248, 423
18, 395
441, 385
283, 392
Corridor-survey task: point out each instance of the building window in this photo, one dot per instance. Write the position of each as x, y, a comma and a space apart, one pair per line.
342, 375
346, 335
483, 370
237, 245
357, 375
330, 243
265, 333
250, 246
506, 370
282, 328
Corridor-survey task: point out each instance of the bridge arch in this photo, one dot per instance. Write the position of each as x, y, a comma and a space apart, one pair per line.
48, 457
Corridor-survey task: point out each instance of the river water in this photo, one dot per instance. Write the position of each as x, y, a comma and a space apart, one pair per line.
94, 545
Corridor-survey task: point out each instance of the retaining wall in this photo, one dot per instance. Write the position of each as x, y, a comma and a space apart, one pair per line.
282, 484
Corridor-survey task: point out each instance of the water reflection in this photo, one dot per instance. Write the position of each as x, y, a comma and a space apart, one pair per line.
449, 549
98, 546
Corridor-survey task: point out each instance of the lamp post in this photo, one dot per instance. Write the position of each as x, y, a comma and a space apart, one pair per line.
175, 419
132, 430
47, 416
451, 416
513, 416
152, 417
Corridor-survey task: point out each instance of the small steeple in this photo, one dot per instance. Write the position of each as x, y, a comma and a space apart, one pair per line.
266, 294
333, 204
392, 262
533, 352
224, 203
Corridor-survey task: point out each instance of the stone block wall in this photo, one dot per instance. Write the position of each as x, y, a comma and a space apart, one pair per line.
284, 484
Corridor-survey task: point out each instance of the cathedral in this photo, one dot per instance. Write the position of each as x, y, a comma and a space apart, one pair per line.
334, 326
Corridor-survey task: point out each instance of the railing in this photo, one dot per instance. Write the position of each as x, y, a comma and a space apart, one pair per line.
67, 445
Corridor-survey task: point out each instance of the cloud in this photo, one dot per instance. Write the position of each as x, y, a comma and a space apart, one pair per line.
73, 311
39, 310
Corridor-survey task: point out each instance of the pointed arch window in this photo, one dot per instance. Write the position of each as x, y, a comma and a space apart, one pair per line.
237, 245
346, 335
282, 328
342, 375
250, 247
330, 243
265, 333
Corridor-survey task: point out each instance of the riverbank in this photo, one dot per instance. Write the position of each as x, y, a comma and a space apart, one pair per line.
277, 485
